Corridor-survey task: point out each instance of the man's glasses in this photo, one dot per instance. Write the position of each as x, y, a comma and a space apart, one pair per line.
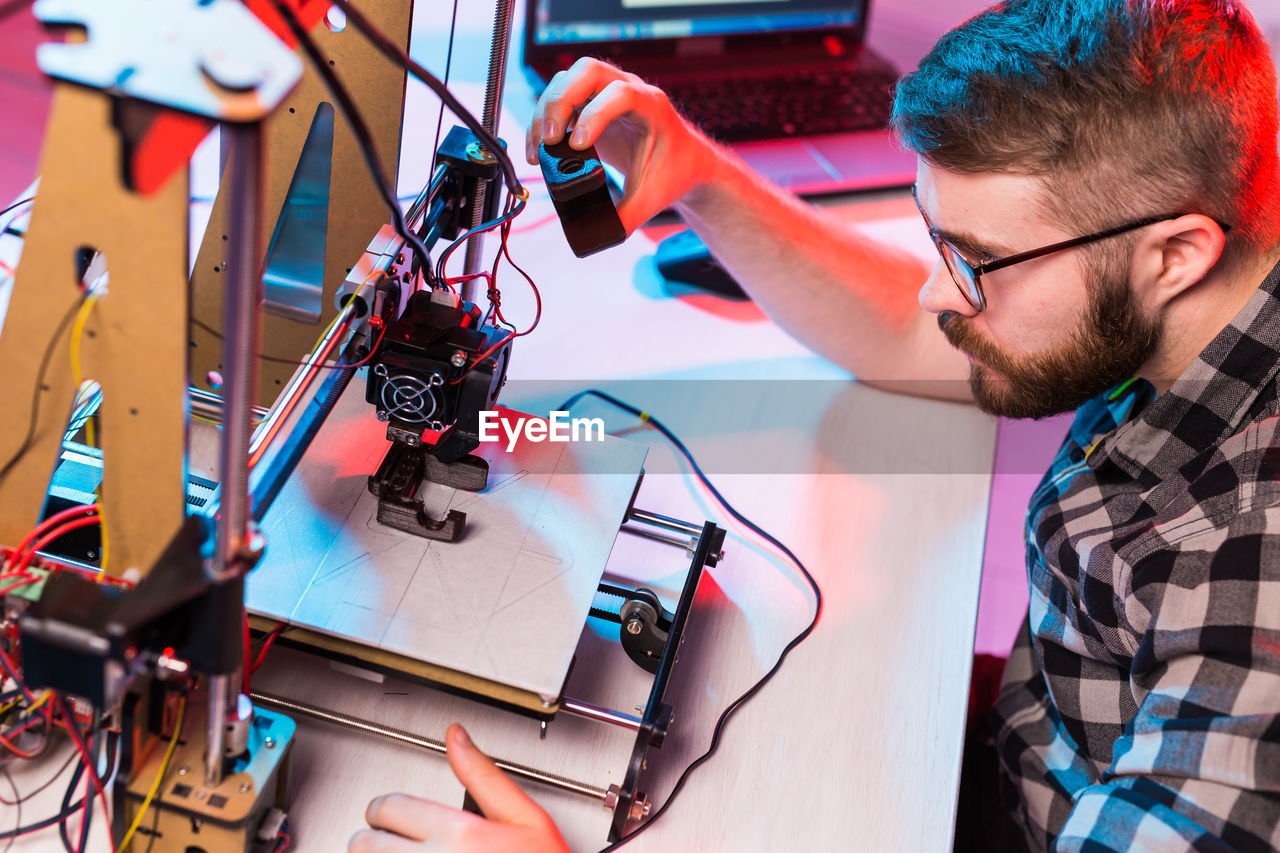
968, 277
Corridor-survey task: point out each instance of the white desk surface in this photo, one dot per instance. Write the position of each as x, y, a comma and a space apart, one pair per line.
856, 743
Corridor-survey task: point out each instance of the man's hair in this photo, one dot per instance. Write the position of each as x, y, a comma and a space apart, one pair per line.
1123, 108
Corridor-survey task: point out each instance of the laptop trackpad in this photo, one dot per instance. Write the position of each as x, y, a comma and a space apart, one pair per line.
831, 163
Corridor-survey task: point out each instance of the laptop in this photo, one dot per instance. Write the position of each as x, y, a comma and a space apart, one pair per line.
788, 84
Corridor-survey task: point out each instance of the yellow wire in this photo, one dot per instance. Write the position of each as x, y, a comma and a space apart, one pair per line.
77, 333
4, 709
155, 784
44, 698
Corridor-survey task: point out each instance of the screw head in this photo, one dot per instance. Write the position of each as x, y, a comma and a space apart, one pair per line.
270, 743
383, 416
245, 788
184, 770
634, 626
458, 358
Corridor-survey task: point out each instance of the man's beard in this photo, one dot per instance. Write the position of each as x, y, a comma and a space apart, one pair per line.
1110, 345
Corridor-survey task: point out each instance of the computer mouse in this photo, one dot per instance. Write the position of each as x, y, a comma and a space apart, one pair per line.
684, 259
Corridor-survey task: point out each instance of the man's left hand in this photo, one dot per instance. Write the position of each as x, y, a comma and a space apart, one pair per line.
405, 824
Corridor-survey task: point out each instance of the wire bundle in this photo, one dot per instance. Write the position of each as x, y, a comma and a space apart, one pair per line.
51, 713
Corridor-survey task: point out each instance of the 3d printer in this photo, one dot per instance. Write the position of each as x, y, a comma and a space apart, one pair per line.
152, 643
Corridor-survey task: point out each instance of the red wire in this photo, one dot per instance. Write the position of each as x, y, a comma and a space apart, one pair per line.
284, 836
89, 766
52, 521
266, 646
88, 802
247, 668
26, 580
7, 744
52, 535
537, 317
362, 362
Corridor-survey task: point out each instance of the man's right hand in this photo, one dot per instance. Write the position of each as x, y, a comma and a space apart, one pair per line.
634, 128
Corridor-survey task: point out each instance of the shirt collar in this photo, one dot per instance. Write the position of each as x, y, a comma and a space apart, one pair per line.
1211, 397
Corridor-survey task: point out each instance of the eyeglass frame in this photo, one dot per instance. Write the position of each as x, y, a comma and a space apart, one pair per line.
976, 272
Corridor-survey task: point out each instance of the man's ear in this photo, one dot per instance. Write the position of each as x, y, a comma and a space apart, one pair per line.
1172, 256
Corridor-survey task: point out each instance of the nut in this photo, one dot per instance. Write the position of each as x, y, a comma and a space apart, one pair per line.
611, 797
639, 807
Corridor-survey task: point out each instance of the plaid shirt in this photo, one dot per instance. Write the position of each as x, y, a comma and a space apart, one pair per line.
1140, 708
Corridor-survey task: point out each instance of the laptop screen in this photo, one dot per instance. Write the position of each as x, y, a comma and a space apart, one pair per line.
568, 21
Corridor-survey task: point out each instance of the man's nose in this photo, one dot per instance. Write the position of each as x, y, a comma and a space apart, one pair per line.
940, 293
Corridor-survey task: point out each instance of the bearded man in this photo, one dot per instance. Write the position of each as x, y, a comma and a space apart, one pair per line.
1101, 180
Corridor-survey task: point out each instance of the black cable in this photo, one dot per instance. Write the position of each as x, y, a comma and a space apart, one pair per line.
358, 127
20, 202
46, 823
77, 737
88, 812
742, 519
35, 401
68, 810
17, 801
435, 144
448, 66
54, 778
390, 50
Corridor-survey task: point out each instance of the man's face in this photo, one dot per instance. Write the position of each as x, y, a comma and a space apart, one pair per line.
1054, 332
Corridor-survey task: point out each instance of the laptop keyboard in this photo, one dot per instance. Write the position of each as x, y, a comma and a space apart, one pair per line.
800, 102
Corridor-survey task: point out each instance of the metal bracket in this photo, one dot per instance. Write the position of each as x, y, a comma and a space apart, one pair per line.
214, 58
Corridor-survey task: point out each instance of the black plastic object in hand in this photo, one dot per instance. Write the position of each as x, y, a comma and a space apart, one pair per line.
576, 182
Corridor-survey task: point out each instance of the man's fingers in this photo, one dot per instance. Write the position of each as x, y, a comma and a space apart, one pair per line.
615, 100
414, 817
498, 797
566, 92
377, 841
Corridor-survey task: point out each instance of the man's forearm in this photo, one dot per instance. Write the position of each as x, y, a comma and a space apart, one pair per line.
850, 297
